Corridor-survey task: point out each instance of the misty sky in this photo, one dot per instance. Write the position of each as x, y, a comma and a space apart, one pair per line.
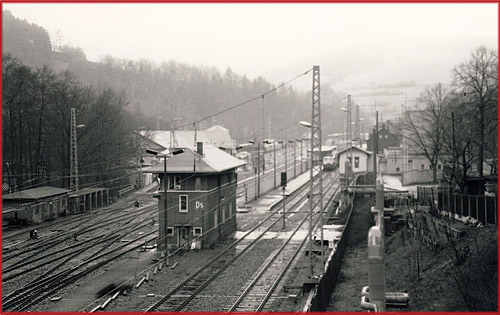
360, 43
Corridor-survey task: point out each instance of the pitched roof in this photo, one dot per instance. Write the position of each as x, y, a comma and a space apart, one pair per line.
36, 193
354, 148
217, 136
214, 160
217, 128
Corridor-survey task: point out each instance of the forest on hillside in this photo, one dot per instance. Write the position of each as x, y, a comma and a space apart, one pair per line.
179, 93
43, 80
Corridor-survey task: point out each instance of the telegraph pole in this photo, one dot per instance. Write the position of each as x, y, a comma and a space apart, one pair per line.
357, 124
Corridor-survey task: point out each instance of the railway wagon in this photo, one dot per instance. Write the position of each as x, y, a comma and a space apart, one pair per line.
329, 163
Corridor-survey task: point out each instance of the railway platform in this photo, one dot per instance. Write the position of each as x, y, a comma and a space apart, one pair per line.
268, 200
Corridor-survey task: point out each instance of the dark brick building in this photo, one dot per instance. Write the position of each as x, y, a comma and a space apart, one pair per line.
386, 139
201, 198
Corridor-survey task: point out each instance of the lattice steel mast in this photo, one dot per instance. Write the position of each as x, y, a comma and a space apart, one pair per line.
316, 196
73, 153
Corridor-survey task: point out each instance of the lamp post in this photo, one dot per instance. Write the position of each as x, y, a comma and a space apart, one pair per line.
165, 156
349, 140
294, 160
256, 169
74, 156
274, 163
301, 162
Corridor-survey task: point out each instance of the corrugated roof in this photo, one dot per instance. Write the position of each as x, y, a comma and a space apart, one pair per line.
36, 193
214, 160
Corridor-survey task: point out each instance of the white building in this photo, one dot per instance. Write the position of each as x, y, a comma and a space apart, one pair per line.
361, 161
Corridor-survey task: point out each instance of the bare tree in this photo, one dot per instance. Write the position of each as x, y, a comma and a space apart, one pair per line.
478, 77
424, 129
458, 149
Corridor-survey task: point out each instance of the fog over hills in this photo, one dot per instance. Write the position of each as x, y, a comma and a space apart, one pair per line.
385, 75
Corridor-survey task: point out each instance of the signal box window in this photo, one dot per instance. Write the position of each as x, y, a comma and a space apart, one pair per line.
170, 231
183, 203
174, 182
356, 161
197, 231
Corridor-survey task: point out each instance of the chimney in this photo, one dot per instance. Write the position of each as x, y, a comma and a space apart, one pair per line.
199, 148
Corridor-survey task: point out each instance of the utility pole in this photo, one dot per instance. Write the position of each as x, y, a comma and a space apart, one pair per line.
286, 164
375, 148
269, 128
258, 170
274, 162
301, 160
357, 125
263, 138
349, 123
294, 161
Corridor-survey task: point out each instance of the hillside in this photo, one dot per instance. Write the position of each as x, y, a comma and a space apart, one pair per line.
460, 275
173, 94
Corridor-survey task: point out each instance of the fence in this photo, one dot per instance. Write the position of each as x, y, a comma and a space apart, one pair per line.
427, 195
328, 281
480, 207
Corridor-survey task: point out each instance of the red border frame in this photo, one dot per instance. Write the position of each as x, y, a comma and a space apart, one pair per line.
236, 1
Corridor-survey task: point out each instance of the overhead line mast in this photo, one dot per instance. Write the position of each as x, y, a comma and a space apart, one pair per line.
73, 152
316, 197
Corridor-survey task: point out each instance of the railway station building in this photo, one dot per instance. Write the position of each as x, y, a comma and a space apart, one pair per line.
198, 207
361, 160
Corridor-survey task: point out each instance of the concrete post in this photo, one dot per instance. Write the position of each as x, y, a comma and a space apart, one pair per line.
376, 268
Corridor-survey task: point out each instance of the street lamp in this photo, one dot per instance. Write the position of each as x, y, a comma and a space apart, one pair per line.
165, 156
74, 152
256, 169
301, 162
349, 140
294, 160
274, 159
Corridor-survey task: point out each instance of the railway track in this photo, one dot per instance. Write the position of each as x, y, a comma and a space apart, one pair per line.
258, 291
44, 287
184, 293
14, 240
50, 245
28, 265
